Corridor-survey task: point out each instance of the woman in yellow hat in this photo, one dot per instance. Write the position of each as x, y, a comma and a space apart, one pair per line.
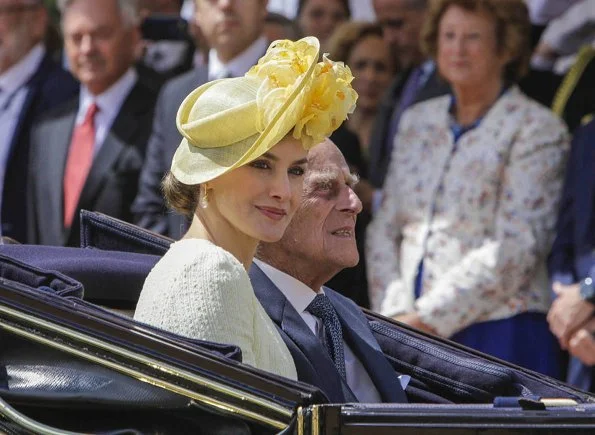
238, 175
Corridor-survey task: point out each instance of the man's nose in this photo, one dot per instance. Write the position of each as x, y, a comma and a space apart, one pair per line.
87, 44
350, 202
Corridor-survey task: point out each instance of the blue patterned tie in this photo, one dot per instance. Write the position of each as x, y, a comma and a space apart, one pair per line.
322, 308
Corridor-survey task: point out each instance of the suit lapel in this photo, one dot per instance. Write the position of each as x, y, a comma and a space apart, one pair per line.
121, 134
321, 367
358, 335
52, 152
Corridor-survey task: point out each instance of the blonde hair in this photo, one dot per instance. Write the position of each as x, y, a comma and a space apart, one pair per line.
513, 30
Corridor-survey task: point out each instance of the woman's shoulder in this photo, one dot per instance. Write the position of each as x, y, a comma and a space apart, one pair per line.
431, 111
188, 252
535, 113
193, 267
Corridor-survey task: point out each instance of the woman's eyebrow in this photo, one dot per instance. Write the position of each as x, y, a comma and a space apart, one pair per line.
301, 161
273, 157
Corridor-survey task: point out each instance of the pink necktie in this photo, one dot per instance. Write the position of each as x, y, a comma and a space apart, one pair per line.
78, 164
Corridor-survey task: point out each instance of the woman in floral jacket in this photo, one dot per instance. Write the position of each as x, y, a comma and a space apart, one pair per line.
458, 247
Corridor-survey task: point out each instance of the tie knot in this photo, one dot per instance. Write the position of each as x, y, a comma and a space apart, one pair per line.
91, 111
321, 307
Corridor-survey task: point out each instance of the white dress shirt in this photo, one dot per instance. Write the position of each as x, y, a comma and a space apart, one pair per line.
12, 97
109, 104
240, 64
300, 296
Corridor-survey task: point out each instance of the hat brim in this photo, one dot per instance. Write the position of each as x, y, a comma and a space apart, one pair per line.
193, 165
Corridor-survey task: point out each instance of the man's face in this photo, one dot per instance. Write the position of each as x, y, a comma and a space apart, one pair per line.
99, 43
321, 234
22, 25
401, 24
230, 26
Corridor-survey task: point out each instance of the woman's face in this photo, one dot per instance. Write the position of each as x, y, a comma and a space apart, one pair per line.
320, 18
372, 66
467, 48
260, 198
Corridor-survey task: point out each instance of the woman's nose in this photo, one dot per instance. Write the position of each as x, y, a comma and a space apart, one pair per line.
281, 187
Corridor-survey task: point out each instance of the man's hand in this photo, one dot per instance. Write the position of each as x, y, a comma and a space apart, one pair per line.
568, 312
412, 319
582, 344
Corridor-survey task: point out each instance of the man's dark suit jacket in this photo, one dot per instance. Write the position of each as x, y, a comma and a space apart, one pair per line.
312, 361
112, 182
573, 252
49, 87
149, 208
379, 161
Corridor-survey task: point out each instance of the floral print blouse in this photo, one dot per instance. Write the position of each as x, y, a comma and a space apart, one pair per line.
479, 213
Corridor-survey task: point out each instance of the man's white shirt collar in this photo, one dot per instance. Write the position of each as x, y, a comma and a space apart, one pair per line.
110, 101
17, 75
240, 64
297, 293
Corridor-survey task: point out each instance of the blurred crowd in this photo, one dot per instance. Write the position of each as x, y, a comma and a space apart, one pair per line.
473, 139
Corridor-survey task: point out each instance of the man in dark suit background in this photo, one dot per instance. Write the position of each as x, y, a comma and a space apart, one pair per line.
87, 153
572, 261
401, 22
233, 30
31, 83
327, 334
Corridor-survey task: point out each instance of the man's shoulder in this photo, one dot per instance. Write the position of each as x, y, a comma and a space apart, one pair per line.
183, 84
55, 85
338, 298
61, 110
586, 133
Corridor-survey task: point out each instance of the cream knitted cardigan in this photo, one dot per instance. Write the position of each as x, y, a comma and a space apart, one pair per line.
201, 291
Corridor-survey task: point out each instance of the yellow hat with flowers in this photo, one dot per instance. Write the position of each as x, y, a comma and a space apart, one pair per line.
230, 122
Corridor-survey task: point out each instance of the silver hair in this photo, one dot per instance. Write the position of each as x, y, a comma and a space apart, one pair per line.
129, 10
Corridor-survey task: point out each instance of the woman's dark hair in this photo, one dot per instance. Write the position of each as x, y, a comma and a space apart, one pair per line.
179, 197
302, 3
347, 35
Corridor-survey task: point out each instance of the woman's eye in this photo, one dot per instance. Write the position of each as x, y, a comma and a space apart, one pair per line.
260, 164
298, 171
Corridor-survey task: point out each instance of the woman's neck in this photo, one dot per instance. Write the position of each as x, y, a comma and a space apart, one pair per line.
473, 102
221, 233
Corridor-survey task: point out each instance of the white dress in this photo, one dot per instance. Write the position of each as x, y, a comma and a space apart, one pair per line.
201, 291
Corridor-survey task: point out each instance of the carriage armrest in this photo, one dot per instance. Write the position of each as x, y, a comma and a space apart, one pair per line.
104, 232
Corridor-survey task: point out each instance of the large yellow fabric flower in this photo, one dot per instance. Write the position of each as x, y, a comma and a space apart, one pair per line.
322, 104
328, 102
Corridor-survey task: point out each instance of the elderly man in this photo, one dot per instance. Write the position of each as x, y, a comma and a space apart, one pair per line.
87, 154
233, 30
326, 333
31, 83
